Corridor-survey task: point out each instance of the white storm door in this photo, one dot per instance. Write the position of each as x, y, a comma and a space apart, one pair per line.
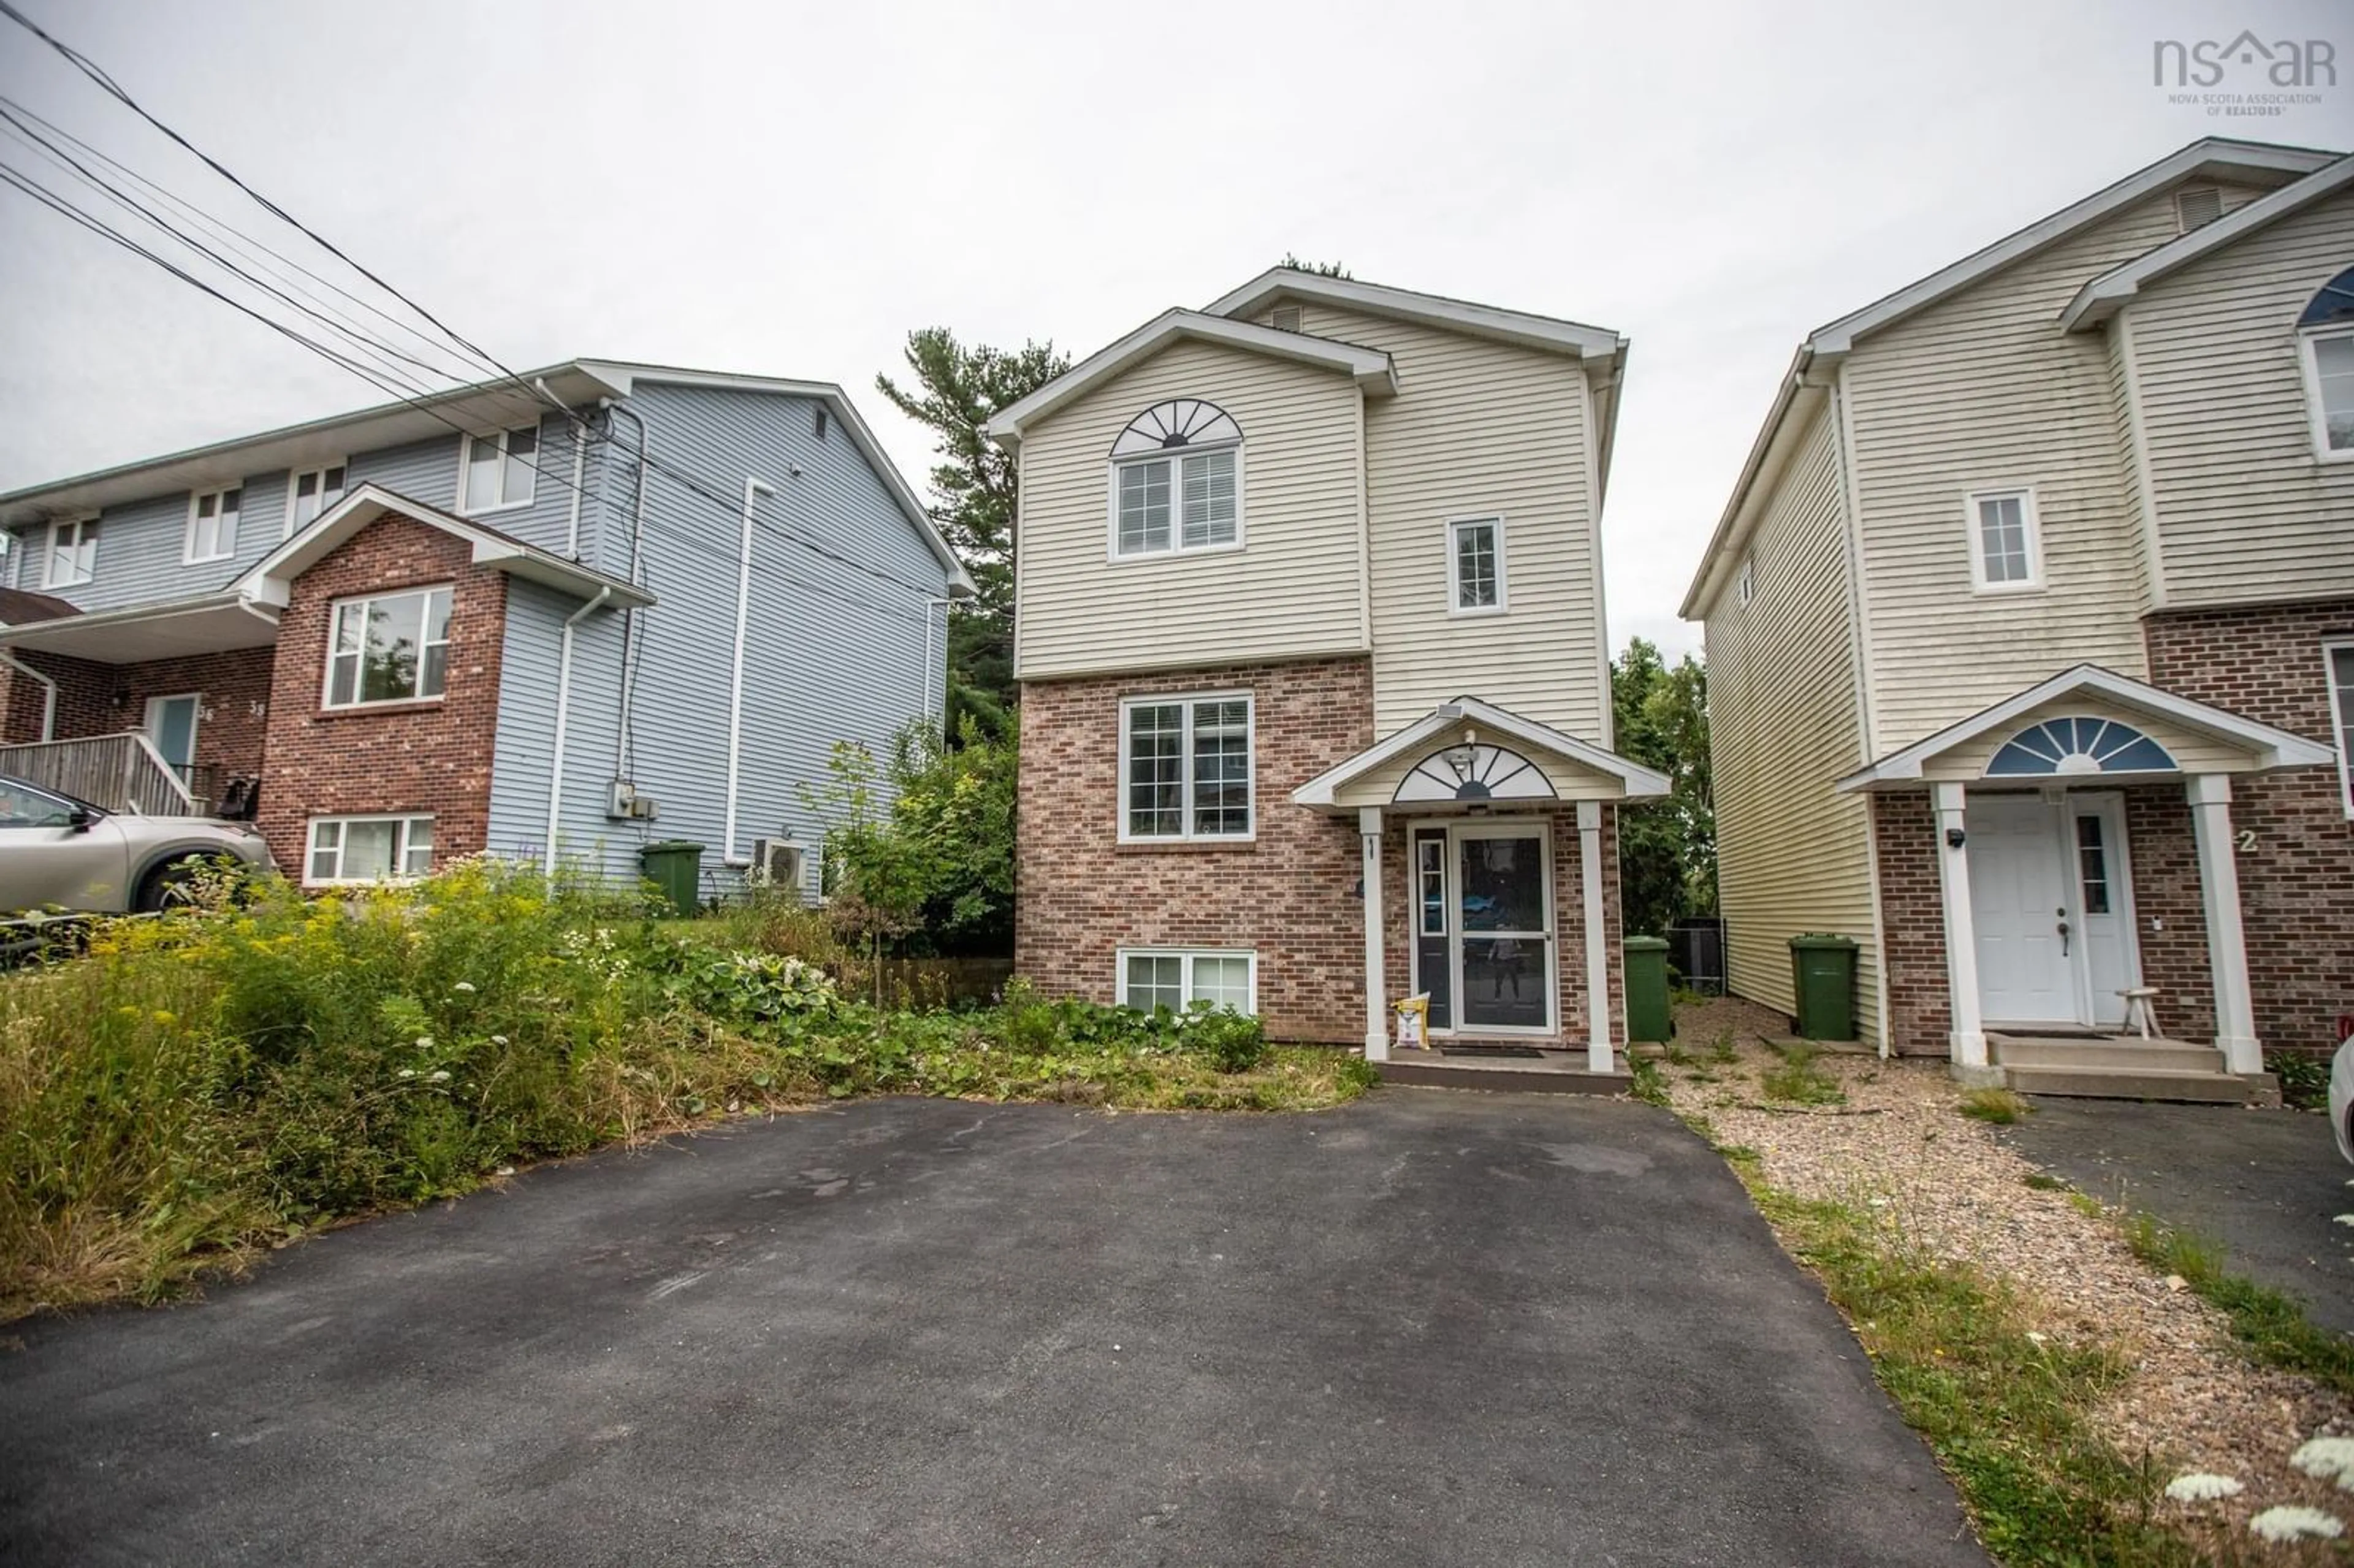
2023, 908
2102, 878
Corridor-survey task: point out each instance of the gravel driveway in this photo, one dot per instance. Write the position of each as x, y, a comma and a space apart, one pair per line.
1427, 1328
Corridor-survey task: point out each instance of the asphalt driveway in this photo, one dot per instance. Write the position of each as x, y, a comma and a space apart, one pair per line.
1429, 1328
2267, 1184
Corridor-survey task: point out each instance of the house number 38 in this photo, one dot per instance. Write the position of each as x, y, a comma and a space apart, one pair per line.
2247, 841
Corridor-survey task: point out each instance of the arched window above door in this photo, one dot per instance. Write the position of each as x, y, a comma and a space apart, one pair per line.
2068, 746
1474, 773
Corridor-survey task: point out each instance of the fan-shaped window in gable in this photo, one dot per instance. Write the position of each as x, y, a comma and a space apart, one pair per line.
1475, 773
2327, 328
2063, 746
1177, 480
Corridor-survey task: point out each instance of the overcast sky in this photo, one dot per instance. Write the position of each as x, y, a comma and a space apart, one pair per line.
788, 190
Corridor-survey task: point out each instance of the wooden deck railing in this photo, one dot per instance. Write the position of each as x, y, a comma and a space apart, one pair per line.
121, 772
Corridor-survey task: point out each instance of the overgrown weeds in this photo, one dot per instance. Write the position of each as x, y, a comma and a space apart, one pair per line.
1999, 1105
2269, 1325
1799, 1081
198, 1085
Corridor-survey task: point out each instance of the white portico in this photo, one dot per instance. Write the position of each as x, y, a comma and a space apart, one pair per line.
1502, 830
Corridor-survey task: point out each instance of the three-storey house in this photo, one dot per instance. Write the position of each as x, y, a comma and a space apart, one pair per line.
2030, 632
1315, 705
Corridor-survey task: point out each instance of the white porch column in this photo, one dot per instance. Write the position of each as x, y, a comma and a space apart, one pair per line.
1599, 1054
1377, 1005
2227, 943
1966, 1046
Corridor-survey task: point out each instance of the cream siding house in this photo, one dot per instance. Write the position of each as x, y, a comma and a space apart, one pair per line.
1315, 699
2063, 688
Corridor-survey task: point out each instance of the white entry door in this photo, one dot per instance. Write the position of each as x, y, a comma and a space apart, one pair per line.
2021, 905
2052, 897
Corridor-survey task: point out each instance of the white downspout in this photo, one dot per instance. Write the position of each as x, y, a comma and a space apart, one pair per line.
753, 491
940, 712
48, 693
563, 712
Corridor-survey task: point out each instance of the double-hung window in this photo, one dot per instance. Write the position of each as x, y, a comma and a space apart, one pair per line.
2329, 372
72, 557
2338, 660
1177, 978
1475, 565
212, 525
310, 493
1176, 480
1185, 767
2006, 547
500, 470
391, 647
368, 848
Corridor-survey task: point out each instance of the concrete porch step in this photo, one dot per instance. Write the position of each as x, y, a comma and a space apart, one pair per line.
2144, 1084
2108, 1055
1501, 1076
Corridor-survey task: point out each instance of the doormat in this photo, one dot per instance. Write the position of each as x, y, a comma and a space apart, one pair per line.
1526, 1052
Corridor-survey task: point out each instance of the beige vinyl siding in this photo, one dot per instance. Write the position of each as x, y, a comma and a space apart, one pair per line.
2126, 419
1292, 591
1793, 855
1984, 391
2247, 510
1479, 429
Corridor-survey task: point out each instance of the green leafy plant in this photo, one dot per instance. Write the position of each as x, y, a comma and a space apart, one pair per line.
2303, 1078
2001, 1107
1799, 1081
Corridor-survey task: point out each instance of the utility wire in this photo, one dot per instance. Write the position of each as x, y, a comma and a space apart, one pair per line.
90, 70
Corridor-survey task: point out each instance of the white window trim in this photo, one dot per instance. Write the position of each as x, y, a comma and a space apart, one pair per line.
327, 675
226, 533
1455, 605
1172, 456
286, 528
466, 458
81, 527
1250, 792
2030, 519
1186, 975
310, 841
2330, 648
2316, 417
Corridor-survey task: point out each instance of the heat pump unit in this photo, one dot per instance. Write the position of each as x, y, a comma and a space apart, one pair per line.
777, 863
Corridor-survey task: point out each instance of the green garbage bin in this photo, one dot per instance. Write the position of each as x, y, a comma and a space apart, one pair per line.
1823, 968
1648, 1017
675, 865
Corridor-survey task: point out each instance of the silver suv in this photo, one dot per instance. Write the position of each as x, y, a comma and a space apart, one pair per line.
60, 854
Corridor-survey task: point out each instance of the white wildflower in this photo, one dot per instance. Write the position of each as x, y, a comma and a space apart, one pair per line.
437, 1078
409, 1072
2342, 1219
2283, 1525
2034, 1338
498, 1039
2201, 1487
464, 986
2328, 1458
425, 1043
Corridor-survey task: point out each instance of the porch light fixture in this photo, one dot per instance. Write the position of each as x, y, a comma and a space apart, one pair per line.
1461, 756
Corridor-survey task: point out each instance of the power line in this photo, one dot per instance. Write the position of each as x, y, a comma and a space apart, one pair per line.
90, 70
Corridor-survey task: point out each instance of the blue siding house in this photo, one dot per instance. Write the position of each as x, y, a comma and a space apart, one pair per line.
555, 617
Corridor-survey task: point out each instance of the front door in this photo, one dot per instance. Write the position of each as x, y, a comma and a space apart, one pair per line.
2052, 897
172, 725
1483, 926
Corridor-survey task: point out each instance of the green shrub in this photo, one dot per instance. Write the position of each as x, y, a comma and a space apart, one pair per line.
2303, 1078
1234, 1041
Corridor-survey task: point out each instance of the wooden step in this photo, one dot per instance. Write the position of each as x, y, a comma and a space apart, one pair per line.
2108, 1055
2144, 1084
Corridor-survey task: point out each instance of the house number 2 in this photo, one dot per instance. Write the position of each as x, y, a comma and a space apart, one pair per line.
2247, 841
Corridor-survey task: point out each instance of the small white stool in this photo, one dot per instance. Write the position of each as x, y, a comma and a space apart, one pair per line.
2140, 1014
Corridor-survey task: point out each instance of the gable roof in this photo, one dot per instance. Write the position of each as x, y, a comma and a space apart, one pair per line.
481, 407
2107, 294
2216, 157
1368, 367
1548, 333
2271, 747
1812, 367
1640, 782
271, 578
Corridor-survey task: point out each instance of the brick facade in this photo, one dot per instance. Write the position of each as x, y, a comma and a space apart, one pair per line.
2297, 884
1291, 895
2296, 881
96, 699
431, 758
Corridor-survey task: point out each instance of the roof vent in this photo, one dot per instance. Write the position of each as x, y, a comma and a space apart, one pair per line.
817, 427
1285, 319
2196, 205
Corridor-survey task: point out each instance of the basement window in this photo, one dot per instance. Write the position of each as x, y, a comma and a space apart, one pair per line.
355, 850
1177, 978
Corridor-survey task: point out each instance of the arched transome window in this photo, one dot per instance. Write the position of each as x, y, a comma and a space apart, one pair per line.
1471, 772
2327, 331
1177, 480
2063, 747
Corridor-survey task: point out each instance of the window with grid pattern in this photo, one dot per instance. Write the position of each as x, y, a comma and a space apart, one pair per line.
1477, 562
2004, 545
1177, 979
1186, 768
